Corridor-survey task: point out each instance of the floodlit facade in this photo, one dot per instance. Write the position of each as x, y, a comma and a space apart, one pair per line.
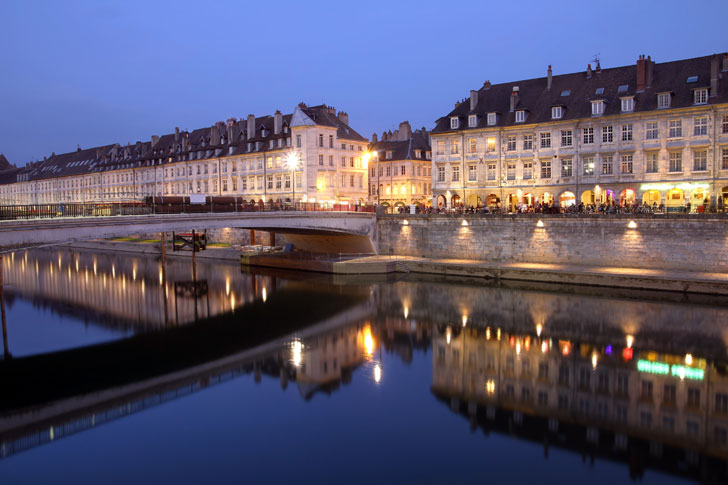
400, 168
310, 155
652, 132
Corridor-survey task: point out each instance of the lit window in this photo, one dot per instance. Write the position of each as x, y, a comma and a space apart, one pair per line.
556, 112
520, 116
627, 164
588, 165
663, 100
472, 145
607, 165
473, 121
627, 104
490, 143
455, 147
388, 155
597, 107
701, 96
566, 167
454, 123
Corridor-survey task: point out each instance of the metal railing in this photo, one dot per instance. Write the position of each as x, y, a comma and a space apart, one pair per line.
166, 205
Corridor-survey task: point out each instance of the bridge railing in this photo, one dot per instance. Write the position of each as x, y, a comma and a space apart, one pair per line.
166, 205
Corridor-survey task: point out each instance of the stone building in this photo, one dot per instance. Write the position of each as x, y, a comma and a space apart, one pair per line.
400, 167
653, 132
250, 158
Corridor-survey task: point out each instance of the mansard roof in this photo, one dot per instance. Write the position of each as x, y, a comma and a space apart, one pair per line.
404, 149
326, 116
576, 91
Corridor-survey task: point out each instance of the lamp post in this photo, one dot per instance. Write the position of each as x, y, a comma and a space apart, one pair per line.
292, 162
365, 163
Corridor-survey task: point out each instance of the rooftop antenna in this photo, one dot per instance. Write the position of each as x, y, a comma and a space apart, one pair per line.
596, 61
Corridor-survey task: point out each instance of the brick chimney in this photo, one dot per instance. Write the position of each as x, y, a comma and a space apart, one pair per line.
473, 99
231, 130
277, 122
155, 140
725, 63
374, 138
514, 98
176, 133
650, 65
343, 117
251, 126
641, 74
588, 71
550, 78
405, 131
486, 85
714, 75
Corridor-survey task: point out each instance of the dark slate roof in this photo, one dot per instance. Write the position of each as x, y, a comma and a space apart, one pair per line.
4, 164
200, 144
404, 149
537, 100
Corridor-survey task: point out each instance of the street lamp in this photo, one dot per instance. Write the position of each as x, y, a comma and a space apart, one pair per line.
292, 162
365, 163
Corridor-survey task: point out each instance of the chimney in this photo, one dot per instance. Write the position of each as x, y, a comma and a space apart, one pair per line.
641, 74
251, 126
714, 76
176, 134
486, 85
215, 135
155, 140
725, 62
599, 67
514, 98
549, 78
78, 148
374, 138
277, 122
231, 130
650, 65
405, 131
344, 117
588, 71
384, 136
473, 99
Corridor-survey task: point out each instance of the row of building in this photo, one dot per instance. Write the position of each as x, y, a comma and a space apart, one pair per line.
651, 132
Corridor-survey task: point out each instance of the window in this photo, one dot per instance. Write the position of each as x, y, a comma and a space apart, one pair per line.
454, 123
511, 143
473, 121
440, 174
455, 147
651, 163
321, 160
511, 171
278, 182
721, 403
566, 167
528, 142
270, 181
700, 96
298, 141
651, 130
724, 159
472, 145
563, 375
490, 144
440, 147
520, 116
527, 170
607, 165
675, 128
331, 160
343, 162
588, 135
491, 171
472, 173
597, 107
331, 141
700, 160
556, 112
388, 155
627, 105
663, 100
588, 165
566, 138
627, 164
693, 397
351, 180
627, 132
545, 169
321, 141
455, 173
622, 384
545, 140
646, 390
700, 126
675, 162
607, 134
491, 119
724, 128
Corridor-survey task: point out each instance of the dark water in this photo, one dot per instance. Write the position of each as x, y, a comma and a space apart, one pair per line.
121, 372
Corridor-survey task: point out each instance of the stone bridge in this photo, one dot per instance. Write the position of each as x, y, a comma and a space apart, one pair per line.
347, 232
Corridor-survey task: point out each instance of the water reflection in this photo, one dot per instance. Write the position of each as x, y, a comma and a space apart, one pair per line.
637, 378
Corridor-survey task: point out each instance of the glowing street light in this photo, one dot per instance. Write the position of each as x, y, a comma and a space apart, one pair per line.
292, 162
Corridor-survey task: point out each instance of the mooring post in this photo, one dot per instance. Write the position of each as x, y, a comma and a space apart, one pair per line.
272, 239
252, 237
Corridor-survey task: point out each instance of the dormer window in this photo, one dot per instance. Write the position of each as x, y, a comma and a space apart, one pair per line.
492, 119
598, 107
418, 153
700, 95
520, 116
389, 155
663, 100
472, 121
454, 123
627, 104
556, 112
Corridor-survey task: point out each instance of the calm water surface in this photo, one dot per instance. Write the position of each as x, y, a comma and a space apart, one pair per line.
123, 371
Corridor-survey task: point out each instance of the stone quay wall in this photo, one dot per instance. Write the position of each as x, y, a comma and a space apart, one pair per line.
667, 242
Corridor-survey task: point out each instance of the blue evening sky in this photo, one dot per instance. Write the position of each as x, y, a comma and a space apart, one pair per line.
100, 72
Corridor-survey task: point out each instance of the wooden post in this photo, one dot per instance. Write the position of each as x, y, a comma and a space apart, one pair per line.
272, 240
6, 349
252, 237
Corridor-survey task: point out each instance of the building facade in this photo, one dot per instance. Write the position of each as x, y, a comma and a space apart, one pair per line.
310, 155
400, 168
651, 132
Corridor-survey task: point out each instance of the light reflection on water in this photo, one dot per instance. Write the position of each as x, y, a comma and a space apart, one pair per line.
617, 377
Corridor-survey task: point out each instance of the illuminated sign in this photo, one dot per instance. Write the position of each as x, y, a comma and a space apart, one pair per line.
662, 368
683, 186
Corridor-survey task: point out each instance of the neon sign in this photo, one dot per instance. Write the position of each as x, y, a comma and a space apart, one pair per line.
663, 368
